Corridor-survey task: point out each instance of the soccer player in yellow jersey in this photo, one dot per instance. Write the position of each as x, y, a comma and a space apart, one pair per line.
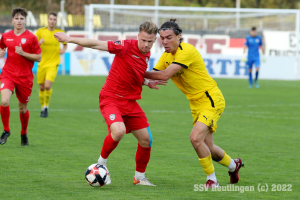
47, 68
183, 63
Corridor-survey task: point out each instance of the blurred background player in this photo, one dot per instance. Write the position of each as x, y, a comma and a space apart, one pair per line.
48, 67
183, 63
22, 50
122, 88
253, 42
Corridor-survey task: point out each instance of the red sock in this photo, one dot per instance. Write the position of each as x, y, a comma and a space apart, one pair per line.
24, 122
108, 146
5, 113
142, 158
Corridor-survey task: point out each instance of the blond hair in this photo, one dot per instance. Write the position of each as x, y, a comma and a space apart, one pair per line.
149, 27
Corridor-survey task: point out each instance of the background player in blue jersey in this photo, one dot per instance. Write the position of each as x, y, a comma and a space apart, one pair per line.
253, 42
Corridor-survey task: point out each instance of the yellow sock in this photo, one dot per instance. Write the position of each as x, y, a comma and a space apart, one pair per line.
207, 165
225, 161
42, 97
48, 94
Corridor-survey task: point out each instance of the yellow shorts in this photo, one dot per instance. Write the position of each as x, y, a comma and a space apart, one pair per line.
209, 108
46, 73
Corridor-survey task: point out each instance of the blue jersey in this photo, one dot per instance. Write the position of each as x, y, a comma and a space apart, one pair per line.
253, 44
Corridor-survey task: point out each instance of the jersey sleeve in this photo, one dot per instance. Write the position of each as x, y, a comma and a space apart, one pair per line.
118, 47
35, 47
2, 45
184, 58
160, 65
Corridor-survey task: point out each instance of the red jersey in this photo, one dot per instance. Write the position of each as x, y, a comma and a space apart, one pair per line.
127, 71
18, 66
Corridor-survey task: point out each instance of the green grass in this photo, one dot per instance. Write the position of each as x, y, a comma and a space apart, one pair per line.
261, 126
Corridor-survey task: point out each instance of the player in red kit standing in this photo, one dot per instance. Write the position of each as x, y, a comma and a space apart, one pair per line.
122, 88
22, 50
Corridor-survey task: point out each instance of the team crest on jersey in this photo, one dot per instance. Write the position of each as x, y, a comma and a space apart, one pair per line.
119, 42
112, 117
257, 40
23, 40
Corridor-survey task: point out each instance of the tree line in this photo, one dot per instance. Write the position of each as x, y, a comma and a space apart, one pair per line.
76, 7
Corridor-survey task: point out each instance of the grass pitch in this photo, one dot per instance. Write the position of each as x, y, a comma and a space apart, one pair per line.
261, 126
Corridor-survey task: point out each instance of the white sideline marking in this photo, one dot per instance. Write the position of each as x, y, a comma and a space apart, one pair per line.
242, 113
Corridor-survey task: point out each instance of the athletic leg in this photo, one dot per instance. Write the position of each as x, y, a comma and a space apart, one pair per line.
48, 93
143, 151
5, 114
257, 66
197, 138
111, 141
250, 63
24, 117
50, 76
219, 154
142, 157
5, 111
42, 98
41, 73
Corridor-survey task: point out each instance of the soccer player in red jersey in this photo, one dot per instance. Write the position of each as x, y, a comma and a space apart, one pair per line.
22, 50
122, 88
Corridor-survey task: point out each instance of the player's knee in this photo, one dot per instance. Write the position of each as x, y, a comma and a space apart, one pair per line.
22, 110
196, 139
42, 88
4, 102
146, 142
48, 87
118, 134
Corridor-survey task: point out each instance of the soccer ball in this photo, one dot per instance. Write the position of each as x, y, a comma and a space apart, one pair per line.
97, 175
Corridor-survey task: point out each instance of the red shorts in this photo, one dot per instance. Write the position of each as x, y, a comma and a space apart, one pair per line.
121, 110
23, 88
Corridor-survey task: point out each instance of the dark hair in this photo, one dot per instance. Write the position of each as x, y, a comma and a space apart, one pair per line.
172, 25
253, 28
148, 27
21, 11
52, 13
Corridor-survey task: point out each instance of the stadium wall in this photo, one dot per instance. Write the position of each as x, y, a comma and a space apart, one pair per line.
222, 54
218, 66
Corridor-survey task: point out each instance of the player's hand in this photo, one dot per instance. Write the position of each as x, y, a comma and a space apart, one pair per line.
19, 50
153, 84
62, 37
41, 41
2, 52
61, 51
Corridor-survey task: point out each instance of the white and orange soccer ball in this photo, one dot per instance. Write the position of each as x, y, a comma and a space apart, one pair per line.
97, 175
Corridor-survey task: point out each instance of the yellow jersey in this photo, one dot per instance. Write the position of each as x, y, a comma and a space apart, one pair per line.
193, 79
50, 47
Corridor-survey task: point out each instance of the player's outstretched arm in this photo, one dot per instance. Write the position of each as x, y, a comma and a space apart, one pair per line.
163, 74
153, 83
94, 44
